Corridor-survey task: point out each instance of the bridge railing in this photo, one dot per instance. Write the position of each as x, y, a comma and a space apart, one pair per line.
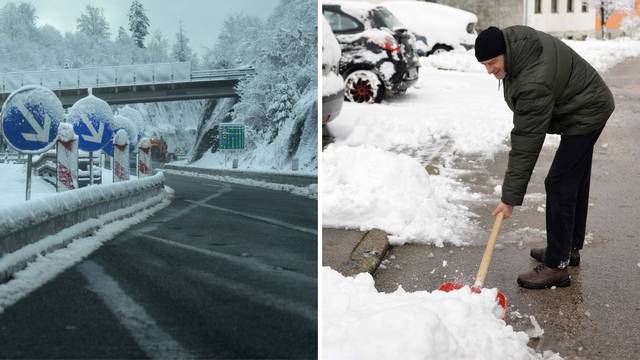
98, 76
122, 75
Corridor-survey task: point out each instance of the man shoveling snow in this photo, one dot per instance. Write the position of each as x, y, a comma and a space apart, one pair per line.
550, 89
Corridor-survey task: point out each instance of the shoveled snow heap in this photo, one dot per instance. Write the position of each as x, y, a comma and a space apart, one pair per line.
365, 187
360, 323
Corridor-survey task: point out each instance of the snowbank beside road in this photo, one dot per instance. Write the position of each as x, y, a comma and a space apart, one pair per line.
604, 54
367, 188
360, 323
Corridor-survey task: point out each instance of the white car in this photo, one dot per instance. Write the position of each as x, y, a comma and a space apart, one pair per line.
444, 27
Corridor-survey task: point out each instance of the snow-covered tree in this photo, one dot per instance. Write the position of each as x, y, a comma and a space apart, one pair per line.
631, 26
236, 44
138, 23
607, 7
93, 23
157, 50
18, 22
181, 50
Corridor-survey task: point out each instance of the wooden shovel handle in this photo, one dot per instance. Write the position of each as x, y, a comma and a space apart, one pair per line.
488, 252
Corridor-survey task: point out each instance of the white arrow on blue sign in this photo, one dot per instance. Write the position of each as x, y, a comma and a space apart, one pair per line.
91, 118
30, 119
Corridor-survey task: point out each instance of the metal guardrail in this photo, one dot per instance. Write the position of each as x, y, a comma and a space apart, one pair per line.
123, 75
32, 224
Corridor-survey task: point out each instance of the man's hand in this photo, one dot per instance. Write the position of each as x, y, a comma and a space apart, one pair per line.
506, 209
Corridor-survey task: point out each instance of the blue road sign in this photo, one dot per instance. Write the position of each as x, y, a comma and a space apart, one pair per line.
231, 136
91, 119
30, 119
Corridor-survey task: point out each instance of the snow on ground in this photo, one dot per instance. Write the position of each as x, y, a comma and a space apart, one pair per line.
13, 179
448, 117
361, 323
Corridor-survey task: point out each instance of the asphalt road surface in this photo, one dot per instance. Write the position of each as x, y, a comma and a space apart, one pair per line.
598, 316
226, 271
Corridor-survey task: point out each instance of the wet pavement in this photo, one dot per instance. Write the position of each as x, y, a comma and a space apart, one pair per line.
598, 317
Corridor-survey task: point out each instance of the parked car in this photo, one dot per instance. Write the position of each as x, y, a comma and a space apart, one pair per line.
332, 82
378, 52
444, 26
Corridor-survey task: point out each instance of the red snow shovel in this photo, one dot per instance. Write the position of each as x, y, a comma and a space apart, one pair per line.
484, 267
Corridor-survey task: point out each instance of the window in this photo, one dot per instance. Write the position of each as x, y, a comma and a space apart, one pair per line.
569, 6
342, 23
538, 7
584, 7
554, 6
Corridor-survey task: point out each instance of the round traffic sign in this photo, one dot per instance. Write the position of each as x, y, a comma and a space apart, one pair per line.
91, 118
30, 119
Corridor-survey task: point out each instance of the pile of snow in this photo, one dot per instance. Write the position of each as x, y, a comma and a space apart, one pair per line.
365, 188
360, 323
604, 54
457, 59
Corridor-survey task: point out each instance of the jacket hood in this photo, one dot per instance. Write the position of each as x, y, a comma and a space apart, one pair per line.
523, 47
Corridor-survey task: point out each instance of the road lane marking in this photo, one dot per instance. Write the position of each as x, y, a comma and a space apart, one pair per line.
258, 296
237, 260
146, 333
195, 204
259, 218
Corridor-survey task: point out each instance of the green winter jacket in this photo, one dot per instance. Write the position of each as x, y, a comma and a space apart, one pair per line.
550, 89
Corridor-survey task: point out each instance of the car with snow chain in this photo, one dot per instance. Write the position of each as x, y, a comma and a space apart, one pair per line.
378, 52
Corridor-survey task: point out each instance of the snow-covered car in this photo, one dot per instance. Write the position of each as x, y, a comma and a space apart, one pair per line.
332, 82
444, 27
378, 52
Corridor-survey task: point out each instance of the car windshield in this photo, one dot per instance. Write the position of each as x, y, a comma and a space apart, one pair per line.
384, 18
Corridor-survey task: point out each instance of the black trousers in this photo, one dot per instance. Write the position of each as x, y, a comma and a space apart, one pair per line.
567, 187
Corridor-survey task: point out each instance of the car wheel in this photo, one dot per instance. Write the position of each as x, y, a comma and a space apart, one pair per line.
438, 49
363, 86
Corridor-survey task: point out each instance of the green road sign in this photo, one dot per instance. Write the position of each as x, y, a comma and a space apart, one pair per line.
231, 136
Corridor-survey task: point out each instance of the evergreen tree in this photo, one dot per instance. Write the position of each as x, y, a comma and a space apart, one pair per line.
138, 23
181, 50
94, 24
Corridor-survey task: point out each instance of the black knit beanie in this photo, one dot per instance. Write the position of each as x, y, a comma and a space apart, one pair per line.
489, 44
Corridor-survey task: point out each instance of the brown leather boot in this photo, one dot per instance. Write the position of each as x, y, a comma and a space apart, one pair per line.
574, 256
542, 277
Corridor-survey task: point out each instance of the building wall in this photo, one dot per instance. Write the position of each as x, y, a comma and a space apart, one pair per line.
500, 13
576, 24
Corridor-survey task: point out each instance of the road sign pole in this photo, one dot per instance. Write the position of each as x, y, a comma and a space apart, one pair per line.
28, 191
91, 167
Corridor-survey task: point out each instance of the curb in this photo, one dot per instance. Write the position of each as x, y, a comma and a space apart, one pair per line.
368, 253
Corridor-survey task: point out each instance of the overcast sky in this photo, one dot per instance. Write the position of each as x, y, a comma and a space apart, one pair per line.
201, 19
